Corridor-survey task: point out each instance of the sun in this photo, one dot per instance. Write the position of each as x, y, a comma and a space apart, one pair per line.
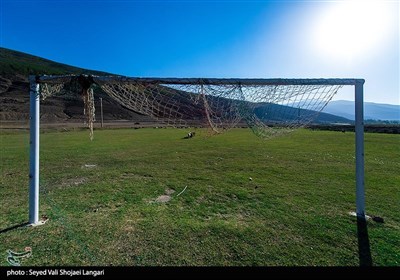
351, 29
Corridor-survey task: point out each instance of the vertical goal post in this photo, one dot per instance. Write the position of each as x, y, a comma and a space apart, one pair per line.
35, 93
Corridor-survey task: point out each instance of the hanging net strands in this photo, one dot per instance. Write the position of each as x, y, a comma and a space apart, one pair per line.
269, 107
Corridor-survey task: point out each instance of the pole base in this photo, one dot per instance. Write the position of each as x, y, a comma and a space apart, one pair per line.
354, 214
39, 223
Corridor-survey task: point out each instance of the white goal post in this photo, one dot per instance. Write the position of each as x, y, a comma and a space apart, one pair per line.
36, 81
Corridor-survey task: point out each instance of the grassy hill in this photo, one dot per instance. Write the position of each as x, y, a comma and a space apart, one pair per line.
23, 64
15, 67
279, 113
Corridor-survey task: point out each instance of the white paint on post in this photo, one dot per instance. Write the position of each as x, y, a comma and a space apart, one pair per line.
359, 128
34, 152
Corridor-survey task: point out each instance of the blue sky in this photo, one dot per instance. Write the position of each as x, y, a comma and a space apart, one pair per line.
243, 39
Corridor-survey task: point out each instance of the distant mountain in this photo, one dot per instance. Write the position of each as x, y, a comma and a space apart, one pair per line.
372, 111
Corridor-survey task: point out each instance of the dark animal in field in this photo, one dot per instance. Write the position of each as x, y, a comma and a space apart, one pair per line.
191, 134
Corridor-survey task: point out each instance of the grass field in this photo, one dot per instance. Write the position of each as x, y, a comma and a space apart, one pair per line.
101, 198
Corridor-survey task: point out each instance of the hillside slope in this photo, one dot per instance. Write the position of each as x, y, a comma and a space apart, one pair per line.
14, 63
15, 67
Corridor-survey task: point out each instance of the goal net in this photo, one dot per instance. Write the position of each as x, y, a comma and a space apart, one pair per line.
268, 107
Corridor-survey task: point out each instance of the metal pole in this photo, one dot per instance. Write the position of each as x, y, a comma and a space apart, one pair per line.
206, 81
34, 152
101, 111
359, 128
230, 81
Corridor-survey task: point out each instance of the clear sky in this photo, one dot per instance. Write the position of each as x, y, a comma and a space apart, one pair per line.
226, 39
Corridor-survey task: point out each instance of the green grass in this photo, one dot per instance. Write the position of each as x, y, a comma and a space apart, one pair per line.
294, 211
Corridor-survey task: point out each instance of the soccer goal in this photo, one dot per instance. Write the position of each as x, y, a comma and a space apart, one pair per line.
270, 107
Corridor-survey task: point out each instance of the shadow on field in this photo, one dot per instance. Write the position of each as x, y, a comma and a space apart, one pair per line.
13, 227
364, 250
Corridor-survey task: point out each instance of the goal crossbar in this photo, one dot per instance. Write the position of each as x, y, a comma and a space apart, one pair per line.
211, 81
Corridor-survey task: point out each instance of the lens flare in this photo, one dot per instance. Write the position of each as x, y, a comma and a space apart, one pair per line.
352, 29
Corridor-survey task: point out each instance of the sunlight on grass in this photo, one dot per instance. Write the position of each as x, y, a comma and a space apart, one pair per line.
101, 198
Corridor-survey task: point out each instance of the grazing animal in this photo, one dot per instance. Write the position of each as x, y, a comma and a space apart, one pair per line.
191, 134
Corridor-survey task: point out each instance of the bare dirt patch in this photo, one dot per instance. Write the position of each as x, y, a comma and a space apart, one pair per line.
169, 191
163, 198
73, 182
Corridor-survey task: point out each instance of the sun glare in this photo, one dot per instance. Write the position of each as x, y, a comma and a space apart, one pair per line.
351, 29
